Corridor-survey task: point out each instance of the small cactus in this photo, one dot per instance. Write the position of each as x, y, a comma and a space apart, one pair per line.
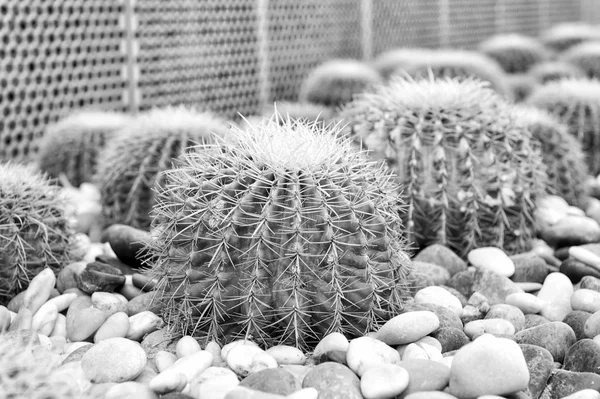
566, 35
586, 56
335, 82
72, 145
515, 53
469, 169
575, 102
284, 236
390, 61
130, 166
554, 70
35, 232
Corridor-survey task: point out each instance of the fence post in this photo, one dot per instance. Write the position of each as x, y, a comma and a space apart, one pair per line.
262, 16
366, 12
131, 71
444, 22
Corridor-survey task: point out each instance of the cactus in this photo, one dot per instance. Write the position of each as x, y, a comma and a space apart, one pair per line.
561, 152
390, 61
549, 71
301, 111
576, 102
35, 232
131, 164
335, 82
72, 145
586, 56
469, 169
285, 236
514, 53
566, 35
521, 86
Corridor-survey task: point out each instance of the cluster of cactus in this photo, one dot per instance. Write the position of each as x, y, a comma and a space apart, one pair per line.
575, 102
566, 35
131, 165
586, 56
515, 53
335, 82
286, 235
35, 232
71, 146
549, 71
469, 170
388, 62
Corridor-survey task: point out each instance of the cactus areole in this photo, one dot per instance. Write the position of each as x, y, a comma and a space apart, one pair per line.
283, 236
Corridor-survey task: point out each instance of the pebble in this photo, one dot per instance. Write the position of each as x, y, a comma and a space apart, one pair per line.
572, 230
586, 300
142, 302
529, 268
246, 359
563, 383
226, 348
529, 287
450, 338
461, 297
438, 275
493, 286
492, 259
430, 395
383, 381
98, 276
527, 303
143, 323
583, 356
143, 282
425, 375
147, 374
475, 328
62, 302
443, 256
305, 393
274, 380
117, 325
83, 320
22, 320
186, 346
168, 382
163, 360
576, 320
591, 327
556, 294
19, 338
127, 243
555, 336
420, 351
67, 276
439, 296
44, 319
108, 302
113, 360
488, 365
507, 312
584, 394
446, 317
333, 380
130, 390
159, 340
365, 352
586, 256
533, 320
540, 365
39, 290
77, 354
590, 283
576, 270
130, 292
286, 354
407, 327
213, 383
333, 347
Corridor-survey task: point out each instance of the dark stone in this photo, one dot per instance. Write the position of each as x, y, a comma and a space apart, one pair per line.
277, 381
424, 375
507, 312
143, 302
590, 283
576, 270
529, 268
576, 320
446, 316
77, 354
540, 365
583, 356
443, 256
492, 285
100, 277
115, 262
555, 336
571, 230
332, 381
450, 338
128, 243
561, 253
563, 383
143, 282
534, 320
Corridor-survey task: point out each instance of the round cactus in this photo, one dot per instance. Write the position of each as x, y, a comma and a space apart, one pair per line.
130, 165
301, 112
586, 56
335, 82
521, 86
390, 61
576, 102
561, 153
515, 53
563, 36
284, 236
554, 70
35, 232
72, 145
469, 169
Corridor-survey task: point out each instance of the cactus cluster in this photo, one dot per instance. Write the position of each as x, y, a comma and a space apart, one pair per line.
131, 165
549, 71
35, 232
566, 35
284, 236
515, 53
72, 145
586, 56
469, 169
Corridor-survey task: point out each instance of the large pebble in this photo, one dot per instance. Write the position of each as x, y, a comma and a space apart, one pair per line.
407, 327
563, 383
164, 383
62, 302
83, 320
439, 296
488, 365
556, 294
143, 282
584, 394
590, 283
534, 320
529, 268
576, 320
143, 323
586, 256
476, 328
98, 276
108, 302
39, 290
163, 360
44, 319
556, 337
507, 312
186, 346
583, 356
572, 230
425, 375
383, 381
130, 390
493, 286
160, 340
591, 327
213, 383
438, 275
190, 366
113, 360
365, 352
274, 380
446, 317
430, 395
227, 347
575, 270
246, 359
450, 338
67, 276
333, 347
442, 256
142, 302
492, 259
527, 303
128, 243
540, 364
117, 325
586, 300
285, 354
333, 381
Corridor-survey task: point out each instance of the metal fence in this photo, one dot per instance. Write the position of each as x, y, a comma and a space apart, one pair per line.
230, 56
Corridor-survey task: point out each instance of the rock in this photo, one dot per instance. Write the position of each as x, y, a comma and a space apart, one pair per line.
425, 375
306, 393
525, 302
186, 345
190, 366
115, 262
228, 347
39, 290
493, 286
407, 327
591, 327
475, 328
83, 320
534, 320
575, 270
532, 288
160, 340
586, 256
556, 337
142, 303
507, 312
540, 364
333, 347
383, 381
364, 352
143, 323
450, 338
461, 297
446, 317
586, 300
439, 296
68, 275
563, 383
113, 360
285, 354
584, 393
108, 303
576, 320
430, 395
167, 382
333, 381
492, 259
115, 326
583, 356
486, 366
143, 282
572, 230
128, 243
274, 380
590, 283
163, 360
246, 359
44, 319
214, 383
556, 293
443, 256
529, 268
438, 275
416, 281
419, 351
77, 354
131, 390
99, 276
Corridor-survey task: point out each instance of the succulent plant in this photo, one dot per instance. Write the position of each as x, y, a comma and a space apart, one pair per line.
521, 86
469, 169
565, 35
549, 71
71, 146
561, 152
301, 111
284, 236
576, 102
131, 165
515, 53
586, 56
335, 82
390, 61
35, 232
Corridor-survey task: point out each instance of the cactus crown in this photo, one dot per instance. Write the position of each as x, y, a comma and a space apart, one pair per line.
300, 111
285, 235
515, 53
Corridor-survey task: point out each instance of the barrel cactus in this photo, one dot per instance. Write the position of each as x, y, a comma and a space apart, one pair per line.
586, 56
301, 111
576, 102
390, 61
469, 169
549, 71
72, 145
130, 165
334, 82
35, 232
521, 86
566, 35
284, 236
515, 53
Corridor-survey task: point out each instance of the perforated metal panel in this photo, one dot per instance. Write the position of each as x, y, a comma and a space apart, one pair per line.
470, 21
522, 16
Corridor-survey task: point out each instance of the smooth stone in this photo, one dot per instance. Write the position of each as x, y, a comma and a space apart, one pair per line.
584, 394
143, 323
563, 383
572, 230
5, 319
590, 283
77, 354
529, 287
591, 327
214, 383
507, 312
383, 381
416, 281
429, 340
540, 364
488, 365
117, 325
16, 303
493, 259
62, 301
163, 360
419, 351
332, 347
586, 300
493, 286
143, 302
443, 256
160, 340
186, 345
489, 326
167, 382
286, 354
438, 275
365, 351
333, 381
39, 290
446, 317
586, 256
430, 395
143, 282
529, 268
527, 303
83, 322
425, 375
190, 366
305, 393
227, 347
68, 275
113, 360
179, 395
556, 294
576, 270
534, 320
461, 297
22, 320
127, 242
130, 390
129, 291
439, 296
407, 327
556, 337
44, 319
99, 276
577, 320
583, 356
108, 302
275, 380
147, 374
246, 359
450, 338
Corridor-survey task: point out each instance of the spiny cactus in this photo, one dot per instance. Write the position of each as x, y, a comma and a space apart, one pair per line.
469, 169
301, 111
554, 70
515, 53
565, 35
576, 102
561, 152
586, 56
335, 82
521, 86
131, 164
72, 145
390, 61
35, 232
285, 236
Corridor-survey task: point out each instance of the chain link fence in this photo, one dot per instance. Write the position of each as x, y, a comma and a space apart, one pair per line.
230, 56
